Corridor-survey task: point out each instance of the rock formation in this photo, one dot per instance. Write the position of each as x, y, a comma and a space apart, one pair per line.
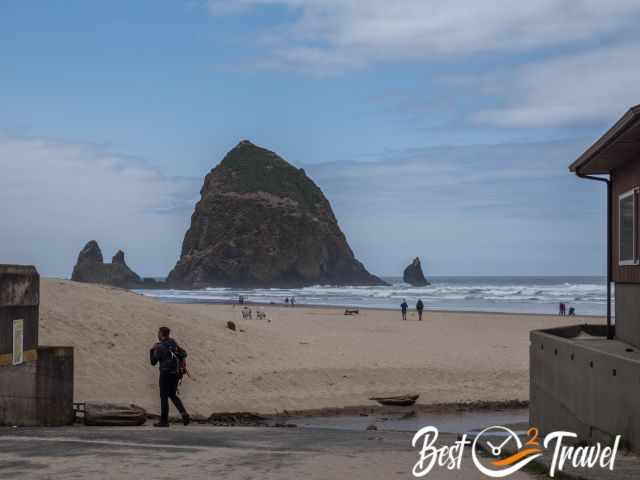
413, 274
261, 222
91, 268
118, 258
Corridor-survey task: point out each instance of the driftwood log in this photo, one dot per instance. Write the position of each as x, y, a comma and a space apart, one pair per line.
116, 415
398, 401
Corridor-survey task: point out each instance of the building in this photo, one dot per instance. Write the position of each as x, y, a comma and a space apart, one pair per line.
36, 383
586, 379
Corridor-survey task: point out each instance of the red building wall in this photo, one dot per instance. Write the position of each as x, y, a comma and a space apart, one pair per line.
623, 179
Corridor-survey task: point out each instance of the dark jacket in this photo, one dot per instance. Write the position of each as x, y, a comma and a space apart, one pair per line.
419, 305
168, 355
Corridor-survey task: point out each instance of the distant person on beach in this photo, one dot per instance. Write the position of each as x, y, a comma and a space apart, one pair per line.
286, 301
563, 309
404, 307
293, 301
420, 308
572, 312
170, 359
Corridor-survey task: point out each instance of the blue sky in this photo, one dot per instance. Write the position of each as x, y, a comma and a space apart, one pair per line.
439, 129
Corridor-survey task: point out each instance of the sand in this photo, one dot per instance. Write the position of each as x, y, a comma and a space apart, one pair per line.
302, 359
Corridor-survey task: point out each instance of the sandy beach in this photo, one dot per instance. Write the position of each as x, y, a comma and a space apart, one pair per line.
301, 358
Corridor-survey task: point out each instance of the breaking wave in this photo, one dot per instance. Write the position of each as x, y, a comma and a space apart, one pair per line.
500, 294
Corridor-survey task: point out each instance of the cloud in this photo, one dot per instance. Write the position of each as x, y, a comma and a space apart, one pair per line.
56, 196
578, 88
483, 209
355, 32
465, 210
553, 62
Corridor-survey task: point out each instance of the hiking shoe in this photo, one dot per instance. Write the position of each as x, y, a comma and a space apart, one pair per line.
161, 424
186, 419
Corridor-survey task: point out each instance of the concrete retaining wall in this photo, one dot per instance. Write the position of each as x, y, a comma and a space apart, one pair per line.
628, 312
18, 405
54, 386
38, 389
19, 300
590, 387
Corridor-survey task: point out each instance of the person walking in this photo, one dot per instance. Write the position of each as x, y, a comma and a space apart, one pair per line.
293, 301
404, 307
170, 359
419, 308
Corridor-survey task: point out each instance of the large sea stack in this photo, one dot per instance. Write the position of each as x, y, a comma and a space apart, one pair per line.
413, 274
261, 222
90, 268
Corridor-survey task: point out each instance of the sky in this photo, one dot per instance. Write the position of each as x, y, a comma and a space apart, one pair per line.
439, 129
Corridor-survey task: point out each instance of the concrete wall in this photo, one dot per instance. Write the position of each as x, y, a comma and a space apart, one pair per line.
590, 387
18, 398
54, 386
38, 391
19, 299
628, 313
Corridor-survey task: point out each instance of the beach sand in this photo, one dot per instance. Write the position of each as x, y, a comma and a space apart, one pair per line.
304, 358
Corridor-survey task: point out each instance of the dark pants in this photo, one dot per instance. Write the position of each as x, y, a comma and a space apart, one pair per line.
168, 388
419, 314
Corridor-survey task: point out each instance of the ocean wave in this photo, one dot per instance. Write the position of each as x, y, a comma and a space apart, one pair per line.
537, 296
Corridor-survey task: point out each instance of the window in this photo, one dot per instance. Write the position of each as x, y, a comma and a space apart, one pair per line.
628, 228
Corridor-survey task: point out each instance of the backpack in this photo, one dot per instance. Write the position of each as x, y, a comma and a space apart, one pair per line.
179, 356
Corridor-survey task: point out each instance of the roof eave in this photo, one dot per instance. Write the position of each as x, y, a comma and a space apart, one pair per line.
622, 125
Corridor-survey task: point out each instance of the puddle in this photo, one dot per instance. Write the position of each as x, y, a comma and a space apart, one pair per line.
408, 422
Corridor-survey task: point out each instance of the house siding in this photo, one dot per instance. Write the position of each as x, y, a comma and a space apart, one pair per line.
623, 179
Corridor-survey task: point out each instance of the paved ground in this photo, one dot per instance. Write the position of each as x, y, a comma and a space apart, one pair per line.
626, 467
203, 452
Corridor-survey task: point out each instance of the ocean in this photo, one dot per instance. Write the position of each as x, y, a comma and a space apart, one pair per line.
515, 294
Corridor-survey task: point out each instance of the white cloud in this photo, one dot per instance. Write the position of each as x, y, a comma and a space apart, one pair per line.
586, 87
356, 32
55, 196
470, 210
550, 88
494, 203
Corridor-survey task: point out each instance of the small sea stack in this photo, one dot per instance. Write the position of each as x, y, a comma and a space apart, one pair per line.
413, 274
90, 268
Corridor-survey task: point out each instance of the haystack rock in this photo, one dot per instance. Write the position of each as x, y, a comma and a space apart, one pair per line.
413, 274
91, 268
261, 222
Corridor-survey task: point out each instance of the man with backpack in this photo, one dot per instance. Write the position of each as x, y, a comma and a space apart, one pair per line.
420, 308
171, 361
